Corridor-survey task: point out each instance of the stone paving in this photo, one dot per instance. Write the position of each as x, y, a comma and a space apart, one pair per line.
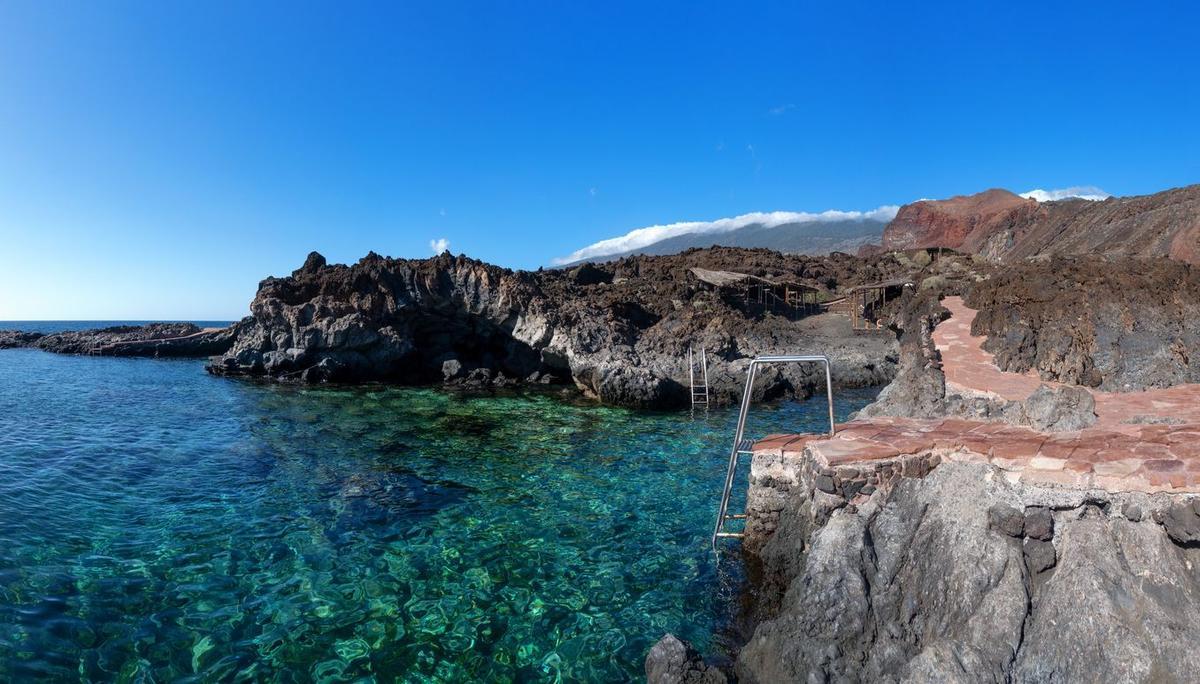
1115, 454
970, 369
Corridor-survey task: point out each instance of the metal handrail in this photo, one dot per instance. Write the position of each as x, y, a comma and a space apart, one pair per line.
739, 447
692, 376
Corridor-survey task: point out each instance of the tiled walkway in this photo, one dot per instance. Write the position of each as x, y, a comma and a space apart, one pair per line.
969, 368
1114, 454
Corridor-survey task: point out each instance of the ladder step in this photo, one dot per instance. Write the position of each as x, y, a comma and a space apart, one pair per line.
744, 446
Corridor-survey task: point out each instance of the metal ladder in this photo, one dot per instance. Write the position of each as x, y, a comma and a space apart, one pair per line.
741, 445
699, 392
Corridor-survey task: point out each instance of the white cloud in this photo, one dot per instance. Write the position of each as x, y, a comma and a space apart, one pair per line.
642, 237
439, 245
781, 109
1087, 192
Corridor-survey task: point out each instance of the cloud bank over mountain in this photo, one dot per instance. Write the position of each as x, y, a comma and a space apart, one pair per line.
1087, 192
644, 237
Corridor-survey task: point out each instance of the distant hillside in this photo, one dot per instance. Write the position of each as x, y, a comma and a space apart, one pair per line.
1003, 226
812, 238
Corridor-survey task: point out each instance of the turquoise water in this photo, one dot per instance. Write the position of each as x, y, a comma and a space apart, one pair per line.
156, 522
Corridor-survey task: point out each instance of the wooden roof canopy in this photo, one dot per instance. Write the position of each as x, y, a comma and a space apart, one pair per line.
734, 278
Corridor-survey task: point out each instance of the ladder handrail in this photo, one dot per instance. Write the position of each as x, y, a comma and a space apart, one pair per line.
694, 389
751, 371
691, 373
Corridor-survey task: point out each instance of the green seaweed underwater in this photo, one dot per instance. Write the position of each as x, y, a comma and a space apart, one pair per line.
160, 524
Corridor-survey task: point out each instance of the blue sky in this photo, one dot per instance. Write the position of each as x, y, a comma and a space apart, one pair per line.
158, 159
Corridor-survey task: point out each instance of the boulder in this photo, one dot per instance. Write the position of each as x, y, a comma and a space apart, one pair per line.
1182, 522
1039, 523
673, 661
1060, 409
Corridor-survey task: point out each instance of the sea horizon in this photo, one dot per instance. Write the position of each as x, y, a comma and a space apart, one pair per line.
48, 327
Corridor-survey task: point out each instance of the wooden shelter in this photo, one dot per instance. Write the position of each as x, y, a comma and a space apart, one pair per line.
758, 295
867, 301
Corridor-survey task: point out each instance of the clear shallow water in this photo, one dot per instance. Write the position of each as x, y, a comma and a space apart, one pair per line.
48, 327
158, 521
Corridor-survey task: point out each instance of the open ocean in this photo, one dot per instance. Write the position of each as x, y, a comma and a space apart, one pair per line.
160, 523
62, 326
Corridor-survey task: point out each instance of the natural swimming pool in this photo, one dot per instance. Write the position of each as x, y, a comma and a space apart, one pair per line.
155, 520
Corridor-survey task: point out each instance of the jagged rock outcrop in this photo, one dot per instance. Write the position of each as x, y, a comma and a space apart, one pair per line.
1003, 226
1109, 324
154, 339
1113, 324
962, 575
919, 388
618, 331
16, 339
964, 223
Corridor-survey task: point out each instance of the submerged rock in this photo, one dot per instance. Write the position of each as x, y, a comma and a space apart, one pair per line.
673, 661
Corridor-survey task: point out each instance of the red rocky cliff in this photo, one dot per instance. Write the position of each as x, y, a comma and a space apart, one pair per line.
1006, 227
963, 223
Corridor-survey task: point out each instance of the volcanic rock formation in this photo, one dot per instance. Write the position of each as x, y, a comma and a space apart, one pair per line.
1114, 324
618, 331
154, 339
981, 525
961, 575
964, 223
1005, 227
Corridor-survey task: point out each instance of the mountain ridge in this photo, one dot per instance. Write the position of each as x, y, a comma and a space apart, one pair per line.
810, 238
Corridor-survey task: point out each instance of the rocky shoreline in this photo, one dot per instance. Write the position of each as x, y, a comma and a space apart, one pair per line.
619, 332
957, 573
978, 523
949, 536
153, 340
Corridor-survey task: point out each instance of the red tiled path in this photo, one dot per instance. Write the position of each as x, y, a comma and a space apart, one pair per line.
1113, 455
1157, 458
970, 369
